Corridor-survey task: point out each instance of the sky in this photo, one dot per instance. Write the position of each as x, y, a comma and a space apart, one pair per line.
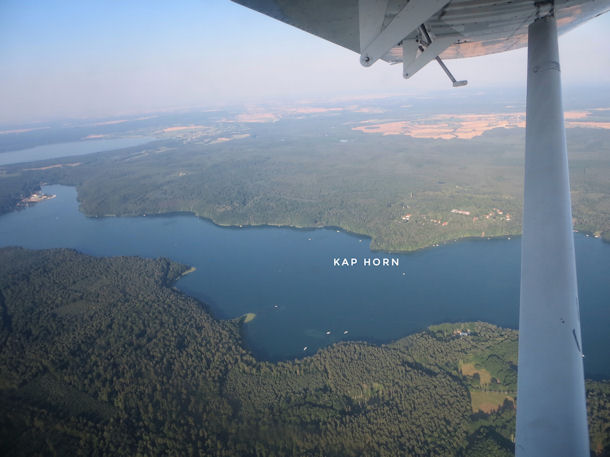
83, 59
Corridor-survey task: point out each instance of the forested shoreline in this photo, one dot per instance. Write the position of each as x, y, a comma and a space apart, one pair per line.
103, 356
404, 193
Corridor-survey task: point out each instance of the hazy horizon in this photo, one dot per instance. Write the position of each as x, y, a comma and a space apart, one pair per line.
72, 60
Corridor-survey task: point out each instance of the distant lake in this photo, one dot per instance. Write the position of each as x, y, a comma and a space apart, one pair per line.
73, 148
287, 277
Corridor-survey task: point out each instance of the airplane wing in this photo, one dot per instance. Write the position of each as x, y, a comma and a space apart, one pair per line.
391, 30
551, 408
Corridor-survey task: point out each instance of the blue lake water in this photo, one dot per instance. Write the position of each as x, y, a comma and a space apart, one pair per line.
74, 148
287, 277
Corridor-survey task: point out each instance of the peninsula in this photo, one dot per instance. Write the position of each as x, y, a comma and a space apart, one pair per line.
102, 356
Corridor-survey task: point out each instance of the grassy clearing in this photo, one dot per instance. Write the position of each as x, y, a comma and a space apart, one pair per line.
488, 402
469, 369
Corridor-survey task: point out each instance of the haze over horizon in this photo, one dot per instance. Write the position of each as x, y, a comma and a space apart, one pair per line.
81, 60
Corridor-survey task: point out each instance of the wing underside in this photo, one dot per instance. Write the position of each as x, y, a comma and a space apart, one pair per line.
467, 28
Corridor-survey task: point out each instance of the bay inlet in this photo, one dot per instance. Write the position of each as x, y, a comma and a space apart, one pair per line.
300, 300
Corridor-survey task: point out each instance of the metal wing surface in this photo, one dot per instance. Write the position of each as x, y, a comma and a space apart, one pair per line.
468, 28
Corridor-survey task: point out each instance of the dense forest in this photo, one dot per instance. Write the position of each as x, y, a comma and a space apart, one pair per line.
103, 356
311, 171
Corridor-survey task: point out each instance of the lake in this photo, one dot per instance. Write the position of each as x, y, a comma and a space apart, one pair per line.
73, 148
288, 277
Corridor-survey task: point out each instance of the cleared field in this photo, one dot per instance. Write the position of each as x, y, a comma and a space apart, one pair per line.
488, 402
468, 369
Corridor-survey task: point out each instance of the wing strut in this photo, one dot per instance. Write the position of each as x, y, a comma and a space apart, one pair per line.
414, 13
412, 63
456, 83
377, 40
551, 411
448, 73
